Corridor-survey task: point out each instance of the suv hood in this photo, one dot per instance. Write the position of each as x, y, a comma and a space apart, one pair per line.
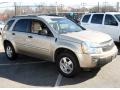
87, 35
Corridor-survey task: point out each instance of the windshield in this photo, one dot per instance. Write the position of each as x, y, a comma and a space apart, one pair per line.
117, 16
63, 25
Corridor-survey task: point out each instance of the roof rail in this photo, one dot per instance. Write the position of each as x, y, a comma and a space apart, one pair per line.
32, 15
24, 16
52, 15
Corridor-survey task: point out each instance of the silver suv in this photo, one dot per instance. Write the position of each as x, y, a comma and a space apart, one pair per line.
59, 40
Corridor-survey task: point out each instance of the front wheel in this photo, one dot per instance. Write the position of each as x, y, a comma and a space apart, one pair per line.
67, 64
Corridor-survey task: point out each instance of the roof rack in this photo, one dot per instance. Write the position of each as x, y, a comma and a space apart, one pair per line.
24, 16
32, 15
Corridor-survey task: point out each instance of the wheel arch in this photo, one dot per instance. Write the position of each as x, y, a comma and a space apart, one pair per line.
12, 43
62, 49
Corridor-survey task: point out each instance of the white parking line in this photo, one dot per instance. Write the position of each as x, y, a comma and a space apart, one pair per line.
58, 81
9, 64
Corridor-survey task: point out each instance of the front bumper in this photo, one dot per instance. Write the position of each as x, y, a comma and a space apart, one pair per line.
97, 60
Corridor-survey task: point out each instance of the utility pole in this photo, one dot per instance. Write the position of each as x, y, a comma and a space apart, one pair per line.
98, 7
117, 7
20, 9
61, 6
15, 8
56, 9
83, 6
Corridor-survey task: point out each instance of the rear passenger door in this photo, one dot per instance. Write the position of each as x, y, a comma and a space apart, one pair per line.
96, 22
19, 34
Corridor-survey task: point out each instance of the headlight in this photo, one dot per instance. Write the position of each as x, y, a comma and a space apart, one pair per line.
90, 48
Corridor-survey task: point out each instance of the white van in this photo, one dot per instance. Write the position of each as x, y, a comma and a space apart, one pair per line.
108, 22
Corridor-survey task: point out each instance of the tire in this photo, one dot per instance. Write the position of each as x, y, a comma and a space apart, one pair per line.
72, 63
10, 51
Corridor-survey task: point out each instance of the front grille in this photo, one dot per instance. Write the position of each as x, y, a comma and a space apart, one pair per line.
108, 45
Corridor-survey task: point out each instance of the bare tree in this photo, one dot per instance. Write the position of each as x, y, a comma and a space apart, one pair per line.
102, 9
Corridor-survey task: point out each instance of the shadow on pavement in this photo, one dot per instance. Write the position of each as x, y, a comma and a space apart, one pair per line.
39, 74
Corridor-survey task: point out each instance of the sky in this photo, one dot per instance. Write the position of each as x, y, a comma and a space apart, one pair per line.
65, 2
74, 3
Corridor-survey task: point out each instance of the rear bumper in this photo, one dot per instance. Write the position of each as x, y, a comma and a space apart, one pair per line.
97, 60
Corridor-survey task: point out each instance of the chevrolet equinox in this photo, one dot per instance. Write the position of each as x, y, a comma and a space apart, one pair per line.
59, 40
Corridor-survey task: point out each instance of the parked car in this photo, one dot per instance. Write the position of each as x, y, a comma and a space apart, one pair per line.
59, 40
108, 22
1, 26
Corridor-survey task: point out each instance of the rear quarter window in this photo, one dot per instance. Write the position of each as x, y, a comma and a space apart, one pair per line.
86, 18
8, 25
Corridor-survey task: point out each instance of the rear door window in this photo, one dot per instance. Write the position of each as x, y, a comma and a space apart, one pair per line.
21, 25
97, 18
86, 18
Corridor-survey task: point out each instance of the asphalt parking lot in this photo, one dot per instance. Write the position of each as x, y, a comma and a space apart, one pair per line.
32, 72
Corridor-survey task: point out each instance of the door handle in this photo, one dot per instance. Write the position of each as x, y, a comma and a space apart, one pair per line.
30, 37
13, 33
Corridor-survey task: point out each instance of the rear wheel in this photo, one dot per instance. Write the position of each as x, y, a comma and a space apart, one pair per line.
67, 64
10, 51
